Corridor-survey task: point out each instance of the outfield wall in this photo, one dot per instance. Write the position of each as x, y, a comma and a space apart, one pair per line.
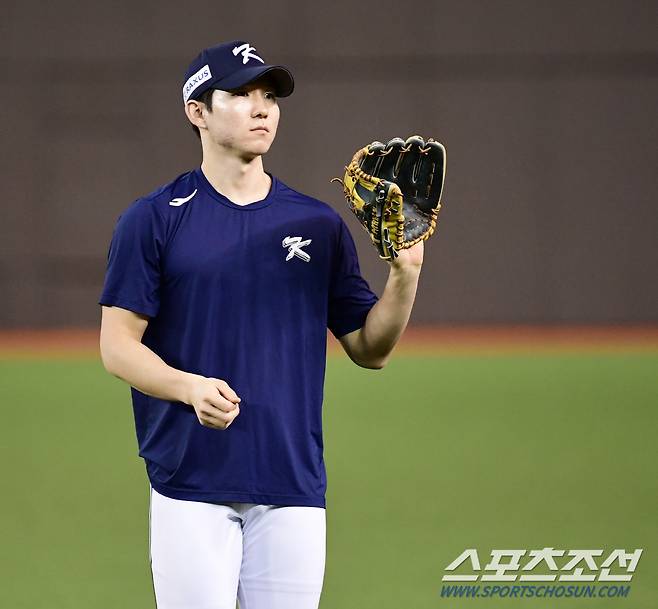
546, 109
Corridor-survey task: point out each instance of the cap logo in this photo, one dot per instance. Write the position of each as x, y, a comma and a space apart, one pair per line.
246, 51
195, 80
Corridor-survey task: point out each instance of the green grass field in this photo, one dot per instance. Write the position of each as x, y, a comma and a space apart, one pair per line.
425, 458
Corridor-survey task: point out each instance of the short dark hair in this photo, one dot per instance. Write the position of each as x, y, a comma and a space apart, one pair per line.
206, 99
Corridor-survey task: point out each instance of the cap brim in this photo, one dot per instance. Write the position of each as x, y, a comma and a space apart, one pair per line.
282, 77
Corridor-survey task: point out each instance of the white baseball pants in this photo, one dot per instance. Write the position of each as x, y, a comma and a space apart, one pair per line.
205, 556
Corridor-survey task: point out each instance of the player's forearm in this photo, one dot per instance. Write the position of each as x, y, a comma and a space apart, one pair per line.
134, 363
389, 316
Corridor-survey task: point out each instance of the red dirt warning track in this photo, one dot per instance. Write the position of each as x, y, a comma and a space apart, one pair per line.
423, 340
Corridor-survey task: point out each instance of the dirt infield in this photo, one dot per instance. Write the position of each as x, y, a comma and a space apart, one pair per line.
442, 340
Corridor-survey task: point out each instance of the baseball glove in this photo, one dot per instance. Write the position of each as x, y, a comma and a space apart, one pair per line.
395, 191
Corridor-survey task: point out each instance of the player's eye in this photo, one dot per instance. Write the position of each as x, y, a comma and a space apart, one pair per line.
268, 94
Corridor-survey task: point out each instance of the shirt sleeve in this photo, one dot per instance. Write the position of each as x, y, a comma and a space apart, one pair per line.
350, 297
132, 279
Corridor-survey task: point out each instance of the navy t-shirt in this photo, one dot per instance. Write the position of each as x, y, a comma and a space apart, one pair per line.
243, 293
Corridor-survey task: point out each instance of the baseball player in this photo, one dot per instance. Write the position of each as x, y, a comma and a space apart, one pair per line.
219, 290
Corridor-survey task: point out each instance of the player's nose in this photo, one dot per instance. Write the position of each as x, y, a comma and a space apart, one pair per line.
260, 105
260, 111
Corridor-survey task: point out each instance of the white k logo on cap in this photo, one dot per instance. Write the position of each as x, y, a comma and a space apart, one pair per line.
247, 54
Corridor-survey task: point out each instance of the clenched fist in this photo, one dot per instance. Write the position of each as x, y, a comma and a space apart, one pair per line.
215, 403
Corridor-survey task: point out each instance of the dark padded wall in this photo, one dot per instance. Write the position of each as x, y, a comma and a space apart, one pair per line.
547, 110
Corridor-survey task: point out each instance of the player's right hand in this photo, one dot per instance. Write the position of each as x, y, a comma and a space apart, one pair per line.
215, 403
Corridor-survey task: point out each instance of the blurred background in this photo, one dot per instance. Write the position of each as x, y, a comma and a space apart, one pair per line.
546, 109
527, 414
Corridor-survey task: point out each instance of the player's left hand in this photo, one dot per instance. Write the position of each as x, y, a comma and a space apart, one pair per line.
410, 258
395, 192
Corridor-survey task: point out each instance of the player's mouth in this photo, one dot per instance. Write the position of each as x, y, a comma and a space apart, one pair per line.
261, 128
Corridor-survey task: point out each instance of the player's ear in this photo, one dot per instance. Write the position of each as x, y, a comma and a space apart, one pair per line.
195, 113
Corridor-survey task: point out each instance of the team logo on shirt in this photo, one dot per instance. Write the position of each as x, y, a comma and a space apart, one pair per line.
295, 245
178, 201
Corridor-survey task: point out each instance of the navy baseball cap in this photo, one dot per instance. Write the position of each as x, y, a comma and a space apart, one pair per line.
231, 65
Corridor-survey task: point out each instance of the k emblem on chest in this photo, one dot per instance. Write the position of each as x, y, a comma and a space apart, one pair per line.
295, 245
